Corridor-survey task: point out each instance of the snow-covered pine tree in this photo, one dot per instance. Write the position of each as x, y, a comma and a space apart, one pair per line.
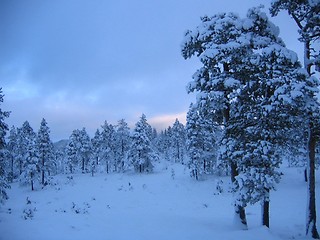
162, 143
201, 143
78, 151
154, 134
178, 142
72, 153
27, 155
194, 143
141, 153
85, 150
96, 152
123, 141
3, 175
25, 137
167, 143
108, 146
246, 80
211, 135
31, 171
217, 43
45, 151
262, 117
12, 153
306, 15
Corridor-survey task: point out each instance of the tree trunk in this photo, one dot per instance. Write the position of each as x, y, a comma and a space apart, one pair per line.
306, 174
240, 212
240, 217
311, 226
31, 175
265, 211
42, 177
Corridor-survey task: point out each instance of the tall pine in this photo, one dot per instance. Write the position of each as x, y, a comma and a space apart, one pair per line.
306, 15
28, 156
123, 141
141, 154
201, 143
45, 151
247, 83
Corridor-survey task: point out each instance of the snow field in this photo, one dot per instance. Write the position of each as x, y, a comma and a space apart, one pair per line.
148, 206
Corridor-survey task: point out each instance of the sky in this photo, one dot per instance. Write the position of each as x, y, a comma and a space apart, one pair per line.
77, 63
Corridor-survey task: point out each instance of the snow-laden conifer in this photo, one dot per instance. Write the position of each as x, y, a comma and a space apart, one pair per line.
202, 141
248, 82
108, 146
45, 151
78, 151
123, 142
96, 152
141, 154
25, 137
12, 148
178, 142
28, 156
306, 15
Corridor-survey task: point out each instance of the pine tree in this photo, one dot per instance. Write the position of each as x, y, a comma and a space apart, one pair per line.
248, 82
306, 15
201, 143
215, 43
178, 141
217, 86
108, 147
123, 141
194, 143
85, 150
167, 143
141, 153
25, 137
96, 152
31, 172
262, 115
3, 175
78, 151
162, 144
72, 153
45, 151
27, 156
12, 148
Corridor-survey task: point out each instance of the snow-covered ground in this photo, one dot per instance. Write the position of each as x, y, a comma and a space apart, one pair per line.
166, 204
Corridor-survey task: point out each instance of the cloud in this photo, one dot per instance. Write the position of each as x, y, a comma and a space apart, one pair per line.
162, 122
78, 63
